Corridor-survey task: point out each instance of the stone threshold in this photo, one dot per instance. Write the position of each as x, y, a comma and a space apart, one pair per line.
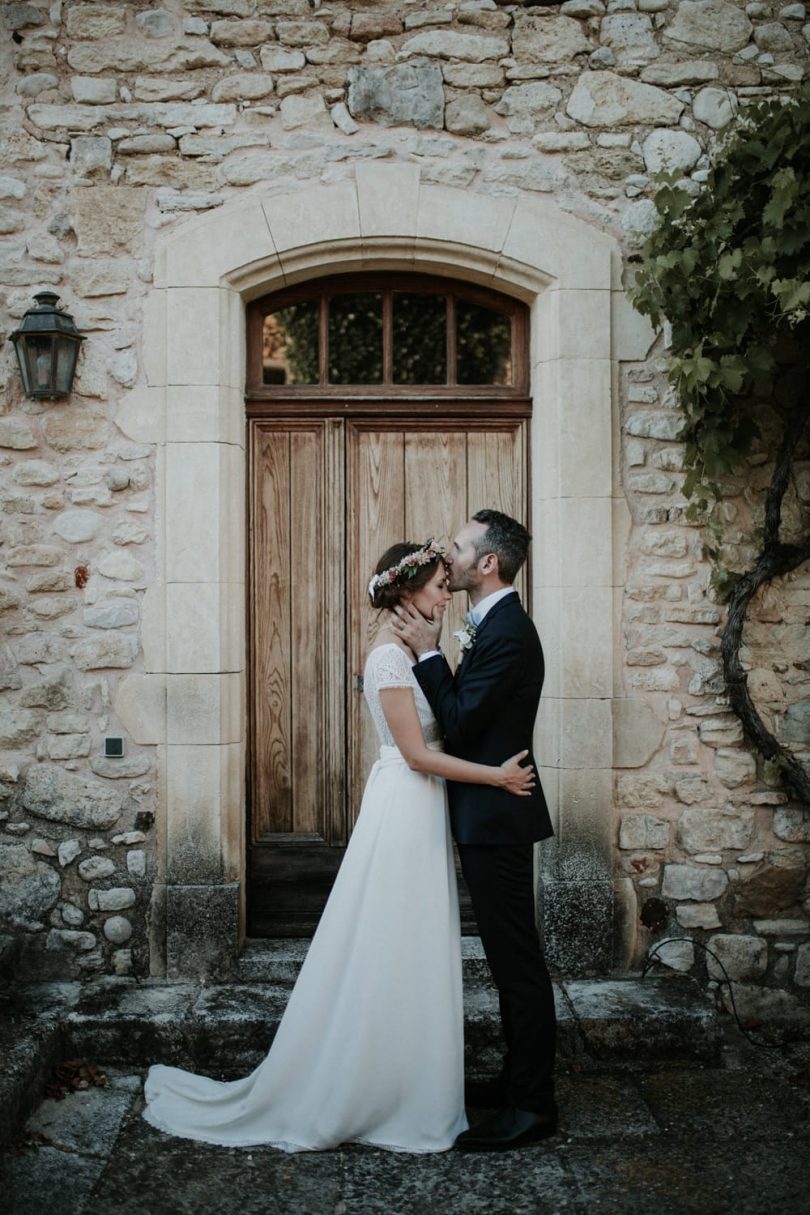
225, 1029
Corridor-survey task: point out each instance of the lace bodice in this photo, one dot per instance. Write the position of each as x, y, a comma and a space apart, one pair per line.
388, 666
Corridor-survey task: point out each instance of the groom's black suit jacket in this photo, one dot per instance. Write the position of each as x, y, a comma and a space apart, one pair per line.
486, 712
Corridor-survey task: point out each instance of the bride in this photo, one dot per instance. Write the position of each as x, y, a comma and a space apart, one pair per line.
370, 1048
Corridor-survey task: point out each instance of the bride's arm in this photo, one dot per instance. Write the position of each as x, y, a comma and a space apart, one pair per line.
399, 708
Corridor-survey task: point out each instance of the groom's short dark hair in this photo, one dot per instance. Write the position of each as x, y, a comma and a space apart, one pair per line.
504, 537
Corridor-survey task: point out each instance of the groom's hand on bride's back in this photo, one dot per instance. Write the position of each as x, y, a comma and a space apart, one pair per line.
418, 633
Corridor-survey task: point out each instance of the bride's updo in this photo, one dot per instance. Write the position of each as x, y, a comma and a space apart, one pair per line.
394, 574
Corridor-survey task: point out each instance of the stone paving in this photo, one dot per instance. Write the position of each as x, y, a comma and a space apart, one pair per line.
670, 1140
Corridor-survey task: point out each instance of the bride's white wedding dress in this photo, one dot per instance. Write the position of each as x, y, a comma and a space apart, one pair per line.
370, 1048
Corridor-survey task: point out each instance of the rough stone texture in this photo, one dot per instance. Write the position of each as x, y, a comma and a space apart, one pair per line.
393, 96
54, 794
28, 888
713, 25
603, 99
122, 119
742, 957
686, 882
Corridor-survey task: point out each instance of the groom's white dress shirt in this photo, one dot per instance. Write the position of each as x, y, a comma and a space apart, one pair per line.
477, 614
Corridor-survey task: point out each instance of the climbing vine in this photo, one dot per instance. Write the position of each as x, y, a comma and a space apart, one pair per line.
728, 272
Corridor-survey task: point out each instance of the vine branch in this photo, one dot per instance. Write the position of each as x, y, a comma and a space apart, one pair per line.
775, 560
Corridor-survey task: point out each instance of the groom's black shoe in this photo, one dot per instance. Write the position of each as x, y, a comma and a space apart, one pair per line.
485, 1094
508, 1128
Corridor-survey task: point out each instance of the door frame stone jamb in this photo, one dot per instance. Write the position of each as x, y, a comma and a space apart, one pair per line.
189, 700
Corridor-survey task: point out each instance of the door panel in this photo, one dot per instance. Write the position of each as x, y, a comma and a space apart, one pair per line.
328, 496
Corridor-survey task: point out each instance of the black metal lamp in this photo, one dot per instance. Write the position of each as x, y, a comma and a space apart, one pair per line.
47, 346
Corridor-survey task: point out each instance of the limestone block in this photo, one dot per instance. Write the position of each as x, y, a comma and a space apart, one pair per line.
91, 155
100, 653
204, 414
111, 614
203, 709
467, 115
792, 824
118, 898
140, 705
795, 727
68, 746
77, 526
100, 276
701, 829
79, 118
404, 94
68, 723
201, 783
686, 882
774, 885
212, 639
120, 769
305, 110
773, 36
697, 915
67, 852
242, 33
446, 44
586, 668
302, 33
630, 37
12, 187
17, 434
53, 692
281, 59
644, 791
212, 473
366, 27
670, 151
713, 25
637, 733
603, 99
741, 956
321, 215
36, 83
33, 554
231, 8
144, 144
28, 888
126, 54
244, 86
136, 862
638, 221
643, 831
676, 75
585, 733
155, 23
535, 100
677, 955
95, 21
715, 107
801, 975
720, 731
548, 37
121, 566
92, 90
63, 797
18, 727
655, 424
152, 88
117, 929
67, 429
733, 768
387, 198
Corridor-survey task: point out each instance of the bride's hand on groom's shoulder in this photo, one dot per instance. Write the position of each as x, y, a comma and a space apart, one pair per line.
418, 633
517, 778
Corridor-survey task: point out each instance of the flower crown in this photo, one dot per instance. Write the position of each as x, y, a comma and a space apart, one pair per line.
407, 567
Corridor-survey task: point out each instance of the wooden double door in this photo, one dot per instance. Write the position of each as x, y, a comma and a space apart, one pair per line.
328, 495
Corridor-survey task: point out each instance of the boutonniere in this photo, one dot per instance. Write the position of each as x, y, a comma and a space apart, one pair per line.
466, 636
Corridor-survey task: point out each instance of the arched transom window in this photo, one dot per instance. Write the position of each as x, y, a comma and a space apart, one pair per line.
387, 335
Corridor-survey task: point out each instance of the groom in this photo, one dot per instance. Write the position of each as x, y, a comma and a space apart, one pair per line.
486, 712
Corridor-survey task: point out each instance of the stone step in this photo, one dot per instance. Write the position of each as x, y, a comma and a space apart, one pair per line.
279, 960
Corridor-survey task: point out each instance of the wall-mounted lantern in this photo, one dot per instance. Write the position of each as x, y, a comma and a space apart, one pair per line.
47, 346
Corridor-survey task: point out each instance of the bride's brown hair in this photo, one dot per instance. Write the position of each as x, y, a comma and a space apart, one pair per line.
389, 595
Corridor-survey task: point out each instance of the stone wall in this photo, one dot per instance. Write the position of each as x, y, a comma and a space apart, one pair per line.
120, 119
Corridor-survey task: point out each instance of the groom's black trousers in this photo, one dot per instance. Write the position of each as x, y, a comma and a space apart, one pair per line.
500, 879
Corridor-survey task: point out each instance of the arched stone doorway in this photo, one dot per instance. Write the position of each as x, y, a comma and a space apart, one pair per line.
190, 700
